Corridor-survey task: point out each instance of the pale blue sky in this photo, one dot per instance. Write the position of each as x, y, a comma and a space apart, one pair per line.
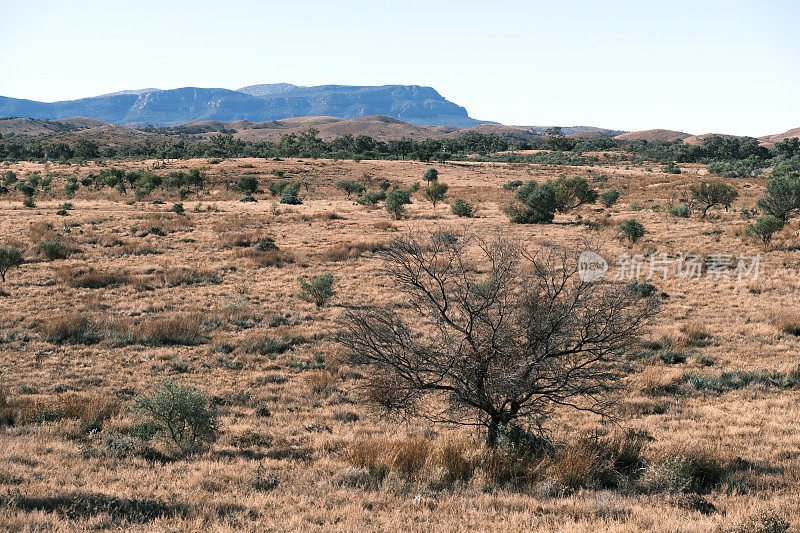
699, 66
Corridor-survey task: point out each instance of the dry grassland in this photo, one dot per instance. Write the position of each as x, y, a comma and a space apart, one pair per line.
146, 293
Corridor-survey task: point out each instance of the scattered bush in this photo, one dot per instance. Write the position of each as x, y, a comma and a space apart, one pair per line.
371, 197
289, 194
609, 197
631, 230
53, 248
180, 415
431, 175
318, 290
710, 193
435, 191
681, 210
765, 227
461, 208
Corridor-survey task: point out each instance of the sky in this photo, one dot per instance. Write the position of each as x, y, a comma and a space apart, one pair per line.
696, 66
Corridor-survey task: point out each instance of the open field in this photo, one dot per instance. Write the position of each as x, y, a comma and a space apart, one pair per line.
142, 293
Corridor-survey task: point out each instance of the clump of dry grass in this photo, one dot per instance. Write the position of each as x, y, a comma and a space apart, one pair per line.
180, 329
788, 322
696, 334
70, 328
184, 275
89, 278
268, 258
347, 250
90, 410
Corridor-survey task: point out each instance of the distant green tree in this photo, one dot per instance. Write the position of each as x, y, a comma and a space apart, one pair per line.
431, 174
631, 230
436, 191
10, 257
609, 197
710, 193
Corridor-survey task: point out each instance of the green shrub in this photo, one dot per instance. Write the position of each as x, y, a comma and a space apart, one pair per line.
396, 201
71, 187
431, 174
537, 205
318, 290
671, 168
29, 202
180, 415
681, 210
248, 185
631, 230
276, 187
513, 184
178, 208
609, 197
10, 257
461, 208
289, 194
371, 197
765, 227
53, 248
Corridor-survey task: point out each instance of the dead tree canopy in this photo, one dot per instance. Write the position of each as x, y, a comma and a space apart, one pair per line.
494, 334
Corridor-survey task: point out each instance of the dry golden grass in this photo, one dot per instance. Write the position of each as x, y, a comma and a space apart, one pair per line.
147, 294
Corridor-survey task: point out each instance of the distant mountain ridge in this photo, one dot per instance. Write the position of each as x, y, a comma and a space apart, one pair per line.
418, 105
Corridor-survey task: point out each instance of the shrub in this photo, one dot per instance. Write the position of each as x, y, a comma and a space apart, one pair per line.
178, 208
680, 210
537, 205
462, 208
609, 197
318, 290
513, 184
572, 192
29, 202
53, 248
671, 168
10, 257
371, 197
276, 187
396, 201
289, 194
182, 330
248, 185
632, 230
180, 415
765, 227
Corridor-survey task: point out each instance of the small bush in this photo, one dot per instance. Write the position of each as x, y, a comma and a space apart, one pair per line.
631, 230
318, 290
289, 194
180, 415
462, 208
681, 210
371, 197
350, 187
765, 521
513, 184
29, 202
609, 197
53, 248
764, 228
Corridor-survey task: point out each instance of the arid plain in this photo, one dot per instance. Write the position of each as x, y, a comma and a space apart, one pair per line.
156, 293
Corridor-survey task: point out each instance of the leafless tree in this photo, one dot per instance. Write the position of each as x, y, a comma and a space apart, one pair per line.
493, 334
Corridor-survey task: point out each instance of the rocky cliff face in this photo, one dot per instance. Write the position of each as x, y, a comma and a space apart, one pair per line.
257, 103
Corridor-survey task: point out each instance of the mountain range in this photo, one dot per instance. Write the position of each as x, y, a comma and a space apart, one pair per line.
414, 104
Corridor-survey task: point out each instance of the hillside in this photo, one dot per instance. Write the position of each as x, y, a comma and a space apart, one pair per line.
778, 137
414, 104
653, 135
